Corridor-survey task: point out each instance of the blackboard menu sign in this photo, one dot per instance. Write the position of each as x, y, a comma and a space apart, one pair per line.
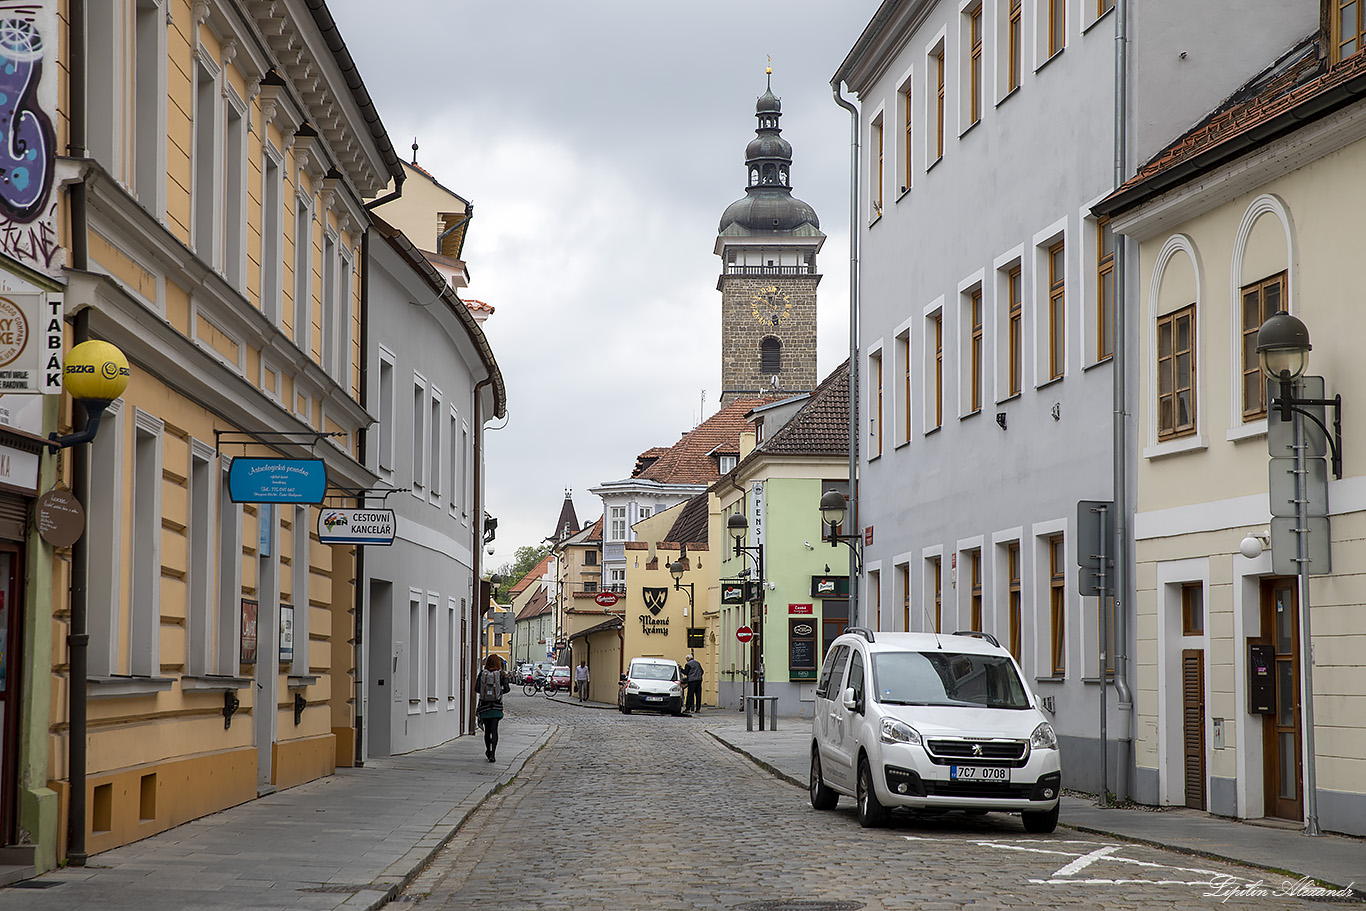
802, 656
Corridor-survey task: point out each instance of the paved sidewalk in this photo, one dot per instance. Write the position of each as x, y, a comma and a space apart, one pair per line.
1285, 853
350, 841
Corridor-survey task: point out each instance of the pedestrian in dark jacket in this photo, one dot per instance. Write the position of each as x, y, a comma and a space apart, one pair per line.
692, 675
491, 683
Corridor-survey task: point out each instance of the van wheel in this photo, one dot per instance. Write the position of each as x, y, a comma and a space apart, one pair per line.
871, 813
1042, 822
822, 798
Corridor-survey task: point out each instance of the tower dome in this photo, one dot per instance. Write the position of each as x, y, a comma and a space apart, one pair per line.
768, 206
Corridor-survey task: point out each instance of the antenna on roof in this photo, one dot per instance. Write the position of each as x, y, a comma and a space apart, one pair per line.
414, 150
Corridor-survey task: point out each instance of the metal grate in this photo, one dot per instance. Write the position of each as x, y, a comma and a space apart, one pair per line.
35, 884
338, 888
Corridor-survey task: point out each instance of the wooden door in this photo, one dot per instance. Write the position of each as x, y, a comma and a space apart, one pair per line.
1193, 725
1282, 746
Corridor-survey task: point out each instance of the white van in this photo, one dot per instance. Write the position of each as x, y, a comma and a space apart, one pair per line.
651, 683
933, 722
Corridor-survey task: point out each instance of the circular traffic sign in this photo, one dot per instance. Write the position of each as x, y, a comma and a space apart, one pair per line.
606, 599
744, 634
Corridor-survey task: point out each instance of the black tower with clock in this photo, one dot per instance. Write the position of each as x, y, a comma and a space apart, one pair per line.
768, 242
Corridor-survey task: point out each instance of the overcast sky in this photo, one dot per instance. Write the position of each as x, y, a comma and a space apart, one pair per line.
599, 143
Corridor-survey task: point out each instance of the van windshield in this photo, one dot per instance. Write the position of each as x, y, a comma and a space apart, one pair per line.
655, 671
947, 678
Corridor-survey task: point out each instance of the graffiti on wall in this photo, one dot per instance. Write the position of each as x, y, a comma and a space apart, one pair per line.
28, 230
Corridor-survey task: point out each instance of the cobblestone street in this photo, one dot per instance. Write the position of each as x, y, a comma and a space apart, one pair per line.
647, 811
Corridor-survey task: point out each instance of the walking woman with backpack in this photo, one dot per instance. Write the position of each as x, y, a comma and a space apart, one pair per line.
491, 683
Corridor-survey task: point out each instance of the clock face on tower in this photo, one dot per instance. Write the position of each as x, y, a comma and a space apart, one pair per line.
771, 305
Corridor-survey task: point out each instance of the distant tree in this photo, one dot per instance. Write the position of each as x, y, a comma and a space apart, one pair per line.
524, 561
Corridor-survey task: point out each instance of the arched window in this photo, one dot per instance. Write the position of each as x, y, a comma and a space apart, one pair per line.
770, 356
769, 175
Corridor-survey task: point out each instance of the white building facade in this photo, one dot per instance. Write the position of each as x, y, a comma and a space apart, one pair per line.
431, 381
986, 301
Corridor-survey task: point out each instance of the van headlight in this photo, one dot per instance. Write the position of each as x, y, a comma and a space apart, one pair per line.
1043, 737
675, 690
894, 731
632, 686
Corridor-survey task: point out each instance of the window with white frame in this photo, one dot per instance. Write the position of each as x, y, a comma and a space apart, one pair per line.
105, 539
328, 329
414, 652
455, 497
934, 366
934, 107
300, 572
433, 642
971, 72
452, 653
1051, 28
419, 446
303, 275
1010, 343
934, 591
229, 589
434, 446
104, 128
144, 627
199, 578
875, 404
906, 110
726, 463
386, 410
207, 148
971, 324
616, 524
903, 386
464, 479
272, 234
1055, 343
877, 178
148, 95
1010, 46
233, 225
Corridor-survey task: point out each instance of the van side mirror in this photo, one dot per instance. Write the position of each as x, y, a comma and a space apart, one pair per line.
851, 700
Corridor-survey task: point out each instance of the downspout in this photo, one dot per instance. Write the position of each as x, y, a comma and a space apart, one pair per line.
78, 637
477, 508
1123, 507
853, 517
363, 448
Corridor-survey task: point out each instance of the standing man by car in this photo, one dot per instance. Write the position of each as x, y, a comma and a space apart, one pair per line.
581, 680
692, 675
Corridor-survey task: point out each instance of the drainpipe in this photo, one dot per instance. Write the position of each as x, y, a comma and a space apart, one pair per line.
362, 449
853, 343
78, 637
1119, 367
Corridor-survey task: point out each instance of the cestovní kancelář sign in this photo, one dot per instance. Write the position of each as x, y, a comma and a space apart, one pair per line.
356, 526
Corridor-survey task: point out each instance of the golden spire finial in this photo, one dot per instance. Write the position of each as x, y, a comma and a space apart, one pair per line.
768, 71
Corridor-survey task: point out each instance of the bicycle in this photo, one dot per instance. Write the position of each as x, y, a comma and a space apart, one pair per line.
552, 688
534, 686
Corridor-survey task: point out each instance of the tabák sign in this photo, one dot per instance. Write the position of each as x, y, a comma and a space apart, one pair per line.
30, 338
356, 526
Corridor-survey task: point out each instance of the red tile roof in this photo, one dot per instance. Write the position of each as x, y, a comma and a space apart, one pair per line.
531, 576
539, 604
1297, 89
689, 460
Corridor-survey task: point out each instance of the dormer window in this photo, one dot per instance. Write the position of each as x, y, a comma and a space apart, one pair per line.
1348, 20
727, 463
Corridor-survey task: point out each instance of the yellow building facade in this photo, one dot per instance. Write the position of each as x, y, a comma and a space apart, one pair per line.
212, 231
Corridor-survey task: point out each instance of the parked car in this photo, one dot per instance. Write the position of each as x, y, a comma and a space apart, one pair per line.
651, 683
561, 677
523, 672
933, 722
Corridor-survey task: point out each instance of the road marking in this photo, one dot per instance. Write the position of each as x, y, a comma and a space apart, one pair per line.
1081, 863
1109, 854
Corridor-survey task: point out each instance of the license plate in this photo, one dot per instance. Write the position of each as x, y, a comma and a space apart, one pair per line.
654, 698
977, 773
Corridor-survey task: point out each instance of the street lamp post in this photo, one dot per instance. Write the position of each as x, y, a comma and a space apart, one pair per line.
833, 509
738, 527
1283, 352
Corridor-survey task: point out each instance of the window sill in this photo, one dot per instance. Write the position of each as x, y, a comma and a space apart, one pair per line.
1010, 94
902, 445
1191, 443
1056, 678
969, 128
1248, 431
1010, 398
1050, 381
1054, 56
1108, 359
299, 681
1109, 678
1090, 25
875, 219
873, 457
905, 191
115, 687
930, 167
212, 684
971, 414
935, 429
